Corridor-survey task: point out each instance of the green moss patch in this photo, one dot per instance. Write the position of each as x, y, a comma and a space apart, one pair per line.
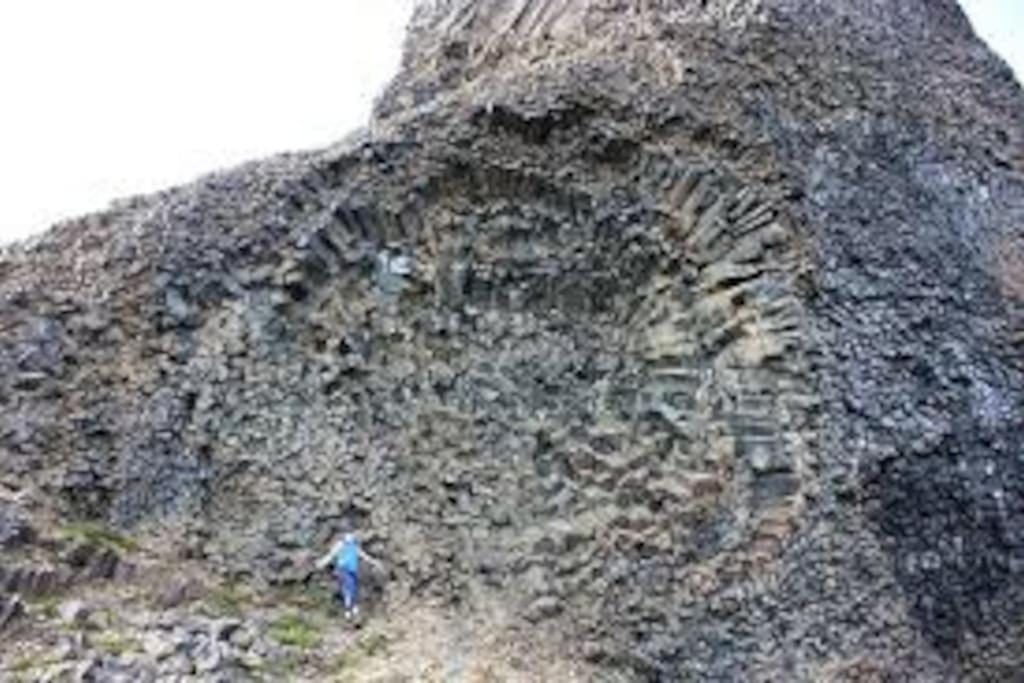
98, 535
293, 630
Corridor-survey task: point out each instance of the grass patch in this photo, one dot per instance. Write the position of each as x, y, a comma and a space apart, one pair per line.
28, 662
47, 605
114, 643
304, 598
286, 667
22, 664
294, 631
101, 536
228, 600
374, 644
345, 665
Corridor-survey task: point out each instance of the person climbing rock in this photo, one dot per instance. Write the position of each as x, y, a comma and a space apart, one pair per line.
345, 556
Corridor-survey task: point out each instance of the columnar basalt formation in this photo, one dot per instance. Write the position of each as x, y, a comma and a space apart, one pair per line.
684, 334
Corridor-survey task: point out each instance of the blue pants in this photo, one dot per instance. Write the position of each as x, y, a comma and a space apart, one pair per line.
348, 588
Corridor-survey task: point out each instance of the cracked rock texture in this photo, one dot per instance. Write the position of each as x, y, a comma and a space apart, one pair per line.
691, 333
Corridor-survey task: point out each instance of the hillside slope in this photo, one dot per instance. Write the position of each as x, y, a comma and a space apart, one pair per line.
681, 339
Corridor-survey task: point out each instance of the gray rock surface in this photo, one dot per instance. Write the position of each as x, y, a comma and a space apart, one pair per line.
11, 608
692, 330
74, 613
15, 529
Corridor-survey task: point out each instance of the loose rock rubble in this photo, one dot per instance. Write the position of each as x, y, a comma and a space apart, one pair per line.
677, 339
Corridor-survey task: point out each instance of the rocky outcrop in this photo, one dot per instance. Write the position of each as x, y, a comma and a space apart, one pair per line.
685, 335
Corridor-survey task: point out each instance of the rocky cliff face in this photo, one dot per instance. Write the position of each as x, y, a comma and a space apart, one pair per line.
685, 334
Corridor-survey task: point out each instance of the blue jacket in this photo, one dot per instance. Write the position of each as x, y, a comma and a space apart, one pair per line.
347, 559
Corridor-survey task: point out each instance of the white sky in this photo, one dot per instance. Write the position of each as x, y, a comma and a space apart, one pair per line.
109, 98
